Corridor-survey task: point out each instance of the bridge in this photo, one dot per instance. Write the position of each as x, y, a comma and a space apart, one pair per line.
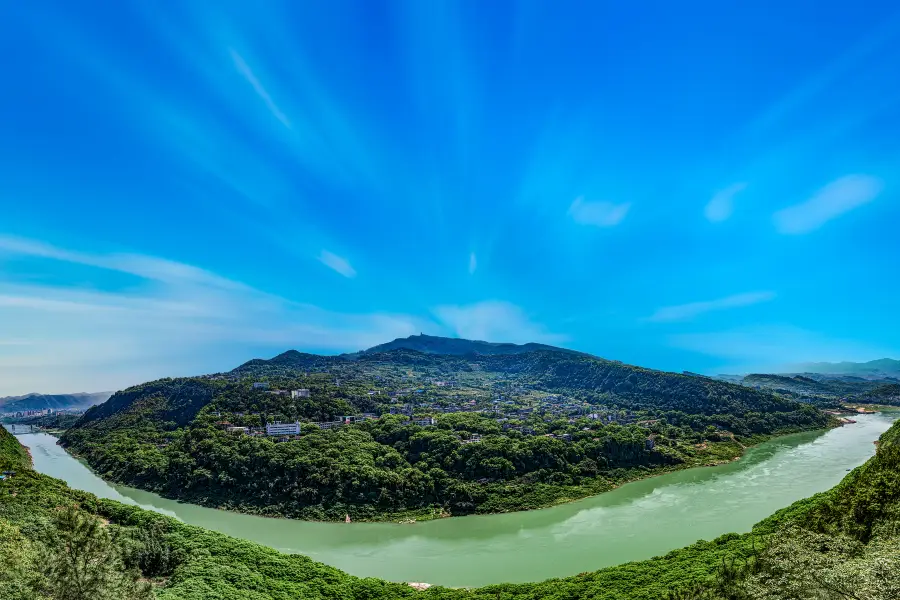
20, 429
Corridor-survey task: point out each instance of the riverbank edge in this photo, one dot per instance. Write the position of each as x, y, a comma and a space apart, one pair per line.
220, 564
600, 486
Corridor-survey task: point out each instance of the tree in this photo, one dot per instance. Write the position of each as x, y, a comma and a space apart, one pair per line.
17, 559
82, 561
803, 565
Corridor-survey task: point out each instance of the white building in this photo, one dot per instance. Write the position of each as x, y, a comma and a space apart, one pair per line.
260, 385
303, 393
282, 428
238, 430
424, 421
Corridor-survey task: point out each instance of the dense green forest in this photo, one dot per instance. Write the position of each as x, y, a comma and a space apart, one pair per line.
431, 344
838, 545
511, 432
885, 394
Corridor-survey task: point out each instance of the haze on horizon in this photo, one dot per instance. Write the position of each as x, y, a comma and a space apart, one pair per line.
691, 187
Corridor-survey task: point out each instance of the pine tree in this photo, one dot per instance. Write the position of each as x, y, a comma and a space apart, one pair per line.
82, 561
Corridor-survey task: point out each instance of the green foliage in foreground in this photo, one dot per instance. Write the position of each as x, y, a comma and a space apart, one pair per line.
843, 544
838, 545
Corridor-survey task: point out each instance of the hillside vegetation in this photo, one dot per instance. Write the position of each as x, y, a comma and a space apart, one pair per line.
430, 344
12, 455
836, 545
511, 432
885, 394
812, 386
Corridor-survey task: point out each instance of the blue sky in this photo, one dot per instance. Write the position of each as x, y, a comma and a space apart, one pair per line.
698, 185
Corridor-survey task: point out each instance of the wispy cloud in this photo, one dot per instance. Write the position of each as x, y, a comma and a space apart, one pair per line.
473, 263
176, 320
721, 206
245, 70
599, 214
147, 267
835, 199
683, 312
494, 321
774, 348
339, 264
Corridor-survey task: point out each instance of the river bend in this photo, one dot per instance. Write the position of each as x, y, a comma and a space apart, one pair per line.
636, 521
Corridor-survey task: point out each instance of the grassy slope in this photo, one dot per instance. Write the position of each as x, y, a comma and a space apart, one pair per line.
221, 567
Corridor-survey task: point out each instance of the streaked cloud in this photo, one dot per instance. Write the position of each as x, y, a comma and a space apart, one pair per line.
245, 70
683, 312
494, 321
177, 320
337, 263
473, 263
721, 206
835, 199
774, 348
147, 267
599, 214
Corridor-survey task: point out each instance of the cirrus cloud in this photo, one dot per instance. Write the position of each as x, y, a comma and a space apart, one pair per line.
176, 319
833, 200
598, 214
774, 348
683, 312
722, 204
494, 321
337, 263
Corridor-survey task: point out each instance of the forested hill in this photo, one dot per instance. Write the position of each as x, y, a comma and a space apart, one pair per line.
429, 434
596, 380
430, 344
884, 394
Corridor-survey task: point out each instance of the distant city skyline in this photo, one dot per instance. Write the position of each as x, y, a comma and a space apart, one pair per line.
691, 187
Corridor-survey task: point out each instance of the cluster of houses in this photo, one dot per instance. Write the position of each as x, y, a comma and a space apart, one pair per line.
20, 414
301, 393
506, 404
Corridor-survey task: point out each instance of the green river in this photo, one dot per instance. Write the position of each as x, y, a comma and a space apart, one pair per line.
636, 521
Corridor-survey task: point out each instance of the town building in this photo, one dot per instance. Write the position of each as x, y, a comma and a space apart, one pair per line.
423, 421
282, 429
260, 385
238, 430
301, 393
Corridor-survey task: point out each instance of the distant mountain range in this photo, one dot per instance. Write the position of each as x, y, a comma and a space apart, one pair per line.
78, 401
882, 368
814, 384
